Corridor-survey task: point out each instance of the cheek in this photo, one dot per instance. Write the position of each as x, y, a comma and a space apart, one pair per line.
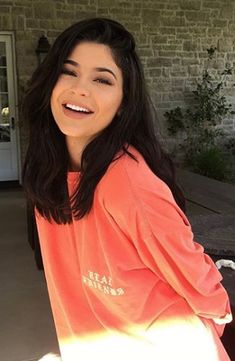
54, 103
112, 105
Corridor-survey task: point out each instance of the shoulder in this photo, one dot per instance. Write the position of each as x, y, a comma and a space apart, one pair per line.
132, 194
130, 180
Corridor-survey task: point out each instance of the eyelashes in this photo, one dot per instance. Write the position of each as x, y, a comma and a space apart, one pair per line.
99, 80
103, 81
68, 72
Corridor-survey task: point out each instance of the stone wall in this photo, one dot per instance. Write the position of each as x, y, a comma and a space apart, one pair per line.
172, 38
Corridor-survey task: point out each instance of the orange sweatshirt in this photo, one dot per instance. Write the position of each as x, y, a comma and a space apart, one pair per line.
128, 279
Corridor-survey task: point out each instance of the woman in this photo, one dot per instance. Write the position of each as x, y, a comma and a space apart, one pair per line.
124, 276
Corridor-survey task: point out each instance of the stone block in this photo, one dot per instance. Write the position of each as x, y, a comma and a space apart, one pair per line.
166, 72
203, 54
197, 16
190, 45
169, 13
28, 12
173, 21
6, 22
165, 105
133, 26
105, 3
102, 11
63, 15
177, 82
18, 22
6, 2
156, 96
151, 17
219, 64
220, 23
174, 41
160, 61
214, 32
53, 33
225, 45
32, 24
164, 85
179, 13
194, 70
176, 96
167, 30
152, 4
210, 5
155, 72
158, 39
36, 34
171, 47
5, 9
186, 54
173, 6
23, 35
184, 36
178, 73
182, 30
190, 5
76, 2
199, 30
145, 52
44, 10
227, 12
176, 61
230, 56
190, 61
18, 10
167, 54
142, 38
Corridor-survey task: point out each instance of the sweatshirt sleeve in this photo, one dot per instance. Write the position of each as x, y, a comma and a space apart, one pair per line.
163, 238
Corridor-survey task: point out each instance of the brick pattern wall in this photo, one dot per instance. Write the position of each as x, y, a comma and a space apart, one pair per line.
172, 38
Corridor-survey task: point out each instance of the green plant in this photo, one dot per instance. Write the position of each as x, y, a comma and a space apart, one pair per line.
211, 163
230, 146
198, 125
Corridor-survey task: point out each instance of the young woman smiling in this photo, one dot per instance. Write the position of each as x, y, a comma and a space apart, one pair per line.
124, 275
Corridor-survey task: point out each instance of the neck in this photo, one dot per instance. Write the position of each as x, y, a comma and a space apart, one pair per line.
75, 148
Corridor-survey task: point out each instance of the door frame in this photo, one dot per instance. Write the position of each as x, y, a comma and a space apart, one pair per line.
15, 112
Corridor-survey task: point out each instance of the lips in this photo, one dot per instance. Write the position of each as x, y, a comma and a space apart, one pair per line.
77, 108
74, 114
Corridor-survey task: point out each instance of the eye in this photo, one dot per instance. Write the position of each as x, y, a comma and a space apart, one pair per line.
103, 81
68, 72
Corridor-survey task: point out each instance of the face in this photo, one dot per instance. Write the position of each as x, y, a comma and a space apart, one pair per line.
88, 92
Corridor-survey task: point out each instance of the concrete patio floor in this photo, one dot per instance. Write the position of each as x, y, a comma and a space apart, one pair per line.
27, 330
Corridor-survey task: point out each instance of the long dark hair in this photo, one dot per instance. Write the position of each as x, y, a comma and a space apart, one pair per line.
47, 159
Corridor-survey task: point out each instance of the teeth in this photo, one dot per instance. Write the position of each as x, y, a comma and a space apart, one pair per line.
77, 108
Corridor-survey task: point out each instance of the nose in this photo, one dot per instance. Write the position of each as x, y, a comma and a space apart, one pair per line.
80, 87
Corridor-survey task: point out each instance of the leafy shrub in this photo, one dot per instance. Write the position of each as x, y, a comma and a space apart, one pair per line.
198, 125
211, 163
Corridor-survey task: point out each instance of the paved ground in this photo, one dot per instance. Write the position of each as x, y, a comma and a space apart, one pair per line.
26, 326
216, 232
210, 208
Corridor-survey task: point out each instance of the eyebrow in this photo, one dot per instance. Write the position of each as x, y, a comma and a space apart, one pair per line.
100, 69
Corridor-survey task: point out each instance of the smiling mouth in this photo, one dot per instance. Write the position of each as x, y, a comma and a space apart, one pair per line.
77, 109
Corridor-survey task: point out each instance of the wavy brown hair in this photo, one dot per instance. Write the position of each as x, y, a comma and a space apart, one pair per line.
47, 159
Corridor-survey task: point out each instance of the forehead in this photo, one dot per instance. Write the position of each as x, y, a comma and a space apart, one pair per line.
92, 54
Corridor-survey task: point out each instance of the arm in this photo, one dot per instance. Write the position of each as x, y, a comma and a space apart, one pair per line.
164, 240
